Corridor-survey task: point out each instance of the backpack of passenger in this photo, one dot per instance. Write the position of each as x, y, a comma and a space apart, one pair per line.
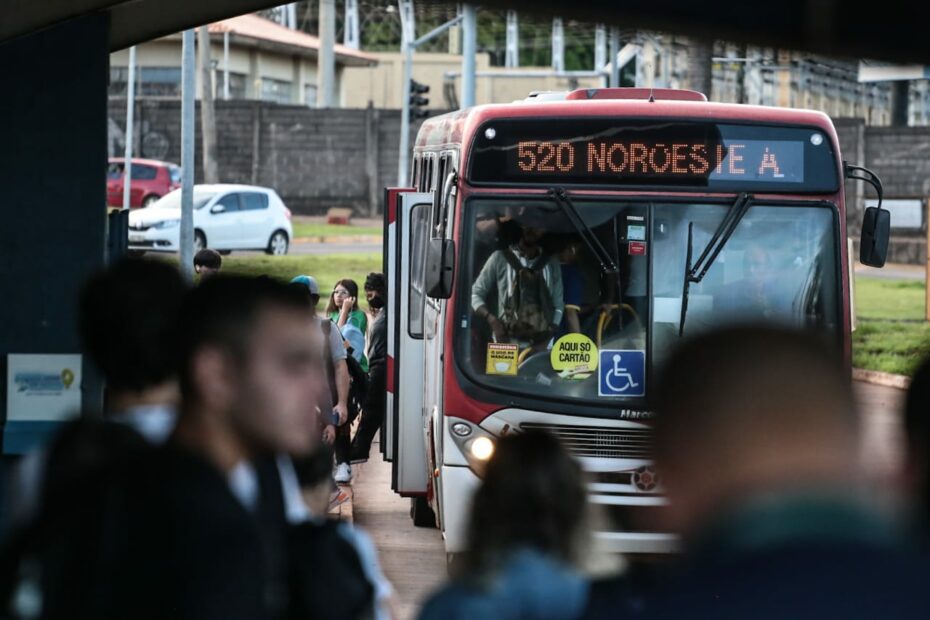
358, 389
527, 307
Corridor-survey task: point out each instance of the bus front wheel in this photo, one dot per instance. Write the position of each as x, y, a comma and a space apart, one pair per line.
421, 513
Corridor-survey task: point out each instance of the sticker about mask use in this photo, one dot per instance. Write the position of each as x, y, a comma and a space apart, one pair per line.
502, 359
574, 356
636, 232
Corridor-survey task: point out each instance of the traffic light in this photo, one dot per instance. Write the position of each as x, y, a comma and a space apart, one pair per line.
418, 102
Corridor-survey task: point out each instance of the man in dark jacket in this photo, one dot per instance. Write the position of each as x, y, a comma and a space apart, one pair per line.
756, 444
373, 412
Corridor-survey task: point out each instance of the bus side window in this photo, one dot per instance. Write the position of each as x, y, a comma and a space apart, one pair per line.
417, 165
438, 209
418, 244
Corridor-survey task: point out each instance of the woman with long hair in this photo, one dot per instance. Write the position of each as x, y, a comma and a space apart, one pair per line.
343, 306
526, 538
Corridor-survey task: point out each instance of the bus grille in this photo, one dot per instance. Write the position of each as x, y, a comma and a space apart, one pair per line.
611, 443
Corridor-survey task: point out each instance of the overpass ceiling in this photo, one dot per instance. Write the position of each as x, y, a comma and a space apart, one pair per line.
893, 30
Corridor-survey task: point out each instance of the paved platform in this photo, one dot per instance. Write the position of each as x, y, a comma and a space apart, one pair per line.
413, 558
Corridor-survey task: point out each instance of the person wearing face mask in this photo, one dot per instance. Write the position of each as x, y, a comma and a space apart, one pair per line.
373, 412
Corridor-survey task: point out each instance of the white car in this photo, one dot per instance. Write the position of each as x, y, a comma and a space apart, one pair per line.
226, 217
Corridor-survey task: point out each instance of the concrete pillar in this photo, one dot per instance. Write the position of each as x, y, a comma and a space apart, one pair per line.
53, 200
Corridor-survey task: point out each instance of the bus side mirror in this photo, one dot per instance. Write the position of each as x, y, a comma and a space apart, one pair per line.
440, 268
873, 244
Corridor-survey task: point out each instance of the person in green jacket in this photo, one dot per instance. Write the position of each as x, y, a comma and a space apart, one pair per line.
343, 305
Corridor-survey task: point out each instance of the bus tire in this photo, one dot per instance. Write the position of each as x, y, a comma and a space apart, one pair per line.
421, 513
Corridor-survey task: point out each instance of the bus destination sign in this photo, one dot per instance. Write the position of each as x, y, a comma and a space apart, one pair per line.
775, 161
681, 154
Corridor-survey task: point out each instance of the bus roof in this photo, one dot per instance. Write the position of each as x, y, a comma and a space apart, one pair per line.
455, 128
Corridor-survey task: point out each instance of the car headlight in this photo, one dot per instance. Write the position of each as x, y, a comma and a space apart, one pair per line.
167, 224
475, 443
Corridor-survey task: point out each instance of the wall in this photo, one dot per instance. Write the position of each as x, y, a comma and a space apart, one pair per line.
380, 85
254, 63
900, 156
318, 158
314, 158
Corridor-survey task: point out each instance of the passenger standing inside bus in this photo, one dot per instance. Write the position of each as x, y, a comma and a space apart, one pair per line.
528, 284
373, 412
527, 534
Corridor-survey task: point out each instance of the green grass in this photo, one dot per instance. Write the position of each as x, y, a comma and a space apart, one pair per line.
891, 335
327, 269
302, 229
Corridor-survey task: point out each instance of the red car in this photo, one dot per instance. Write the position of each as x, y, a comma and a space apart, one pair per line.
150, 181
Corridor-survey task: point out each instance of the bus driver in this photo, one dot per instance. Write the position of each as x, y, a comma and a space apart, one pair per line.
528, 284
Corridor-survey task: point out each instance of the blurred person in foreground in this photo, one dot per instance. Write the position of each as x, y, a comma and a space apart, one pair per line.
128, 316
757, 447
917, 454
526, 537
182, 535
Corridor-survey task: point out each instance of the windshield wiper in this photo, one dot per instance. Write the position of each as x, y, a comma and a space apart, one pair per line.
606, 261
608, 265
695, 273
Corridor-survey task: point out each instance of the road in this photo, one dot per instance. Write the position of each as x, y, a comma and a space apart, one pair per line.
334, 248
414, 558
893, 272
303, 249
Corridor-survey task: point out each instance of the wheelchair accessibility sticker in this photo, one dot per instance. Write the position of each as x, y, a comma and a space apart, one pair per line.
621, 373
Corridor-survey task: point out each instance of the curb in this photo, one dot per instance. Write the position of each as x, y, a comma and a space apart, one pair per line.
341, 239
885, 379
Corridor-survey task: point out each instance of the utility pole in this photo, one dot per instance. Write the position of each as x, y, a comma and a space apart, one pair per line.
469, 49
614, 57
512, 53
326, 61
600, 47
207, 113
130, 111
351, 36
226, 65
187, 157
558, 45
411, 90
408, 34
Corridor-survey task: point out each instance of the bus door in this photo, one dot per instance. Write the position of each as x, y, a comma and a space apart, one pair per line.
408, 215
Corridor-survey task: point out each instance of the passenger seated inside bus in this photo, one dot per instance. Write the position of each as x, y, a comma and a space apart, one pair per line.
580, 290
528, 283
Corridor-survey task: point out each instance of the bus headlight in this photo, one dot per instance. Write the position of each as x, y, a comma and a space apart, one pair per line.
481, 448
475, 443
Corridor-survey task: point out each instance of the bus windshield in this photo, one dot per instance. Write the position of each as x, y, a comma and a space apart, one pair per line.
543, 313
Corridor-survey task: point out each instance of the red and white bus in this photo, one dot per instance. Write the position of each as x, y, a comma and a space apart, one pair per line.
550, 253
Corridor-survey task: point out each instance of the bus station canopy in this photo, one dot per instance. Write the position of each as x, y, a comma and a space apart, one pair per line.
894, 30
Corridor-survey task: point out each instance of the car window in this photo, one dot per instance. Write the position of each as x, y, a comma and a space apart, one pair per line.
254, 201
114, 171
141, 172
175, 173
230, 201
